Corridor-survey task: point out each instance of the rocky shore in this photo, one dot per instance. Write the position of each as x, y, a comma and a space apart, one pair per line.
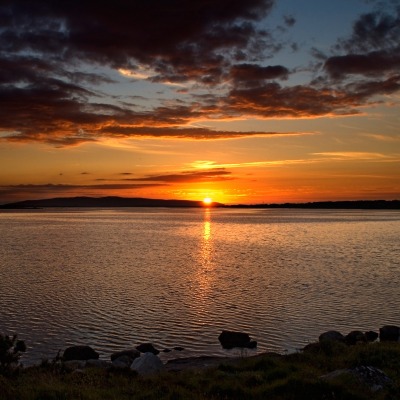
145, 361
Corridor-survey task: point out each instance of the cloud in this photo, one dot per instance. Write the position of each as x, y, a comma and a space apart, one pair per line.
372, 49
353, 155
209, 175
216, 51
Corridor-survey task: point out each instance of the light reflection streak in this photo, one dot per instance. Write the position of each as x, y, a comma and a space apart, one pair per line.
205, 272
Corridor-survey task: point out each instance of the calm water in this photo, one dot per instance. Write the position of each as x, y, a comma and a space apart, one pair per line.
115, 278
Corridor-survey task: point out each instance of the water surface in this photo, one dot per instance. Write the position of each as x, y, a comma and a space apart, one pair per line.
177, 277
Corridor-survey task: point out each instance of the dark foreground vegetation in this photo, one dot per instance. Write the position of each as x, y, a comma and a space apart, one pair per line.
270, 376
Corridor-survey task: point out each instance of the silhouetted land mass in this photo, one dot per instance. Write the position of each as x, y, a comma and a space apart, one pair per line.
357, 204
115, 202
101, 202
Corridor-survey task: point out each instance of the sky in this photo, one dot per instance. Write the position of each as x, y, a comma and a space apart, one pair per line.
256, 101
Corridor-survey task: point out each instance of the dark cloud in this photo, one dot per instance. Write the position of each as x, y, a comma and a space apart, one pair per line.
371, 64
254, 75
373, 49
49, 52
216, 174
171, 36
273, 100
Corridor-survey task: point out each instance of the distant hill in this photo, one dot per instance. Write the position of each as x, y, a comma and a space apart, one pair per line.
102, 202
115, 202
357, 204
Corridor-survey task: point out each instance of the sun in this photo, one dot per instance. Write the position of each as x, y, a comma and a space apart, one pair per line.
207, 201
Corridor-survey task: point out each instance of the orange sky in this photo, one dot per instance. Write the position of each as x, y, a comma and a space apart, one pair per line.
245, 102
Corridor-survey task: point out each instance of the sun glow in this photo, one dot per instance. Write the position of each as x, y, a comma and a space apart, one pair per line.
207, 201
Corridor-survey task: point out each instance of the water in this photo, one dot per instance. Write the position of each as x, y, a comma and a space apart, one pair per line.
177, 277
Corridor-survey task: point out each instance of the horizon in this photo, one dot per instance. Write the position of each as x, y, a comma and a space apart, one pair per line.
263, 101
206, 202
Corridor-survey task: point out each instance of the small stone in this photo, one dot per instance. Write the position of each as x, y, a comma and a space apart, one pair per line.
122, 362
73, 365
147, 348
131, 353
101, 364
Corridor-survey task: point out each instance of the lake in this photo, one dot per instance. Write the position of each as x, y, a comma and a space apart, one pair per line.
177, 277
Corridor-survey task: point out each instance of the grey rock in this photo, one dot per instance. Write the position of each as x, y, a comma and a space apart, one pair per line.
102, 364
373, 377
73, 365
389, 333
131, 353
147, 364
80, 353
333, 336
122, 362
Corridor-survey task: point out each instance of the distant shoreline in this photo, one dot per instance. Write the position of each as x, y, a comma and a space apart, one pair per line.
118, 202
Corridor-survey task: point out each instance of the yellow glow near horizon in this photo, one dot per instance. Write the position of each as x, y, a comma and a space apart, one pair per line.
207, 201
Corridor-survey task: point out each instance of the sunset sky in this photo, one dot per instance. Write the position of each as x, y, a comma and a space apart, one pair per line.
242, 101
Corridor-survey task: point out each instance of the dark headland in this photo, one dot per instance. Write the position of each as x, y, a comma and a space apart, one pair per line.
116, 202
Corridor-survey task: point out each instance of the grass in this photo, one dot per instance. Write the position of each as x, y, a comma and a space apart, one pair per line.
293, 376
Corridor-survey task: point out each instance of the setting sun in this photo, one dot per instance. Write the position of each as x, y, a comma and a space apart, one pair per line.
207, 201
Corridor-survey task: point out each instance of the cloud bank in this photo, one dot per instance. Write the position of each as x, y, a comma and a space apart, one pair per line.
53, 56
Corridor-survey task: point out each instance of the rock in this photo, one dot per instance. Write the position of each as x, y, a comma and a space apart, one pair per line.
73, 365
371, 336
122, 362
147, 348
373, 377
101, 364
147, 364
333, 336
80, 353
132, 354
231, 339
355, 337
389, 333
312, 348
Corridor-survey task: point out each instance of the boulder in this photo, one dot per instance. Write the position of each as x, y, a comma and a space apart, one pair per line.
355, 337
147, 348
371, 336
101, 364
122, 362
147, 364
231, 339
332, 336
132, 354
80, 353
372, 377
74, 365
389, 333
